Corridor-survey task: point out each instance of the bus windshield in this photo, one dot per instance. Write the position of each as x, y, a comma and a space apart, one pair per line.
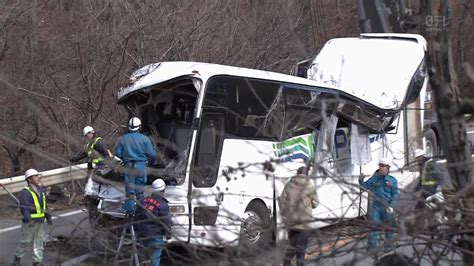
167, 111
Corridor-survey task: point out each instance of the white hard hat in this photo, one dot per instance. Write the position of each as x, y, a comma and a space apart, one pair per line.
87, 130
158, 185
419, 152
31, 172
134, 124
384, 161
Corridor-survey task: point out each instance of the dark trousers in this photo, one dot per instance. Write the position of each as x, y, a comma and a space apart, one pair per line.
298, 244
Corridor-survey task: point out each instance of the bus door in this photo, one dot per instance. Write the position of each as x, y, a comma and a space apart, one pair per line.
204, 196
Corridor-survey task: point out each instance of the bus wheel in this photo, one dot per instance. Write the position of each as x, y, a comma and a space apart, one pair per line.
255, 230
431, 144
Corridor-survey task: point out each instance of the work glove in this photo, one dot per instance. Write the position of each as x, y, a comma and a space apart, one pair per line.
389, 210
49, 221
117, 159
168, 236
130, 206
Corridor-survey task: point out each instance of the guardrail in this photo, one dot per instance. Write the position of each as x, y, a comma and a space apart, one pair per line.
50, 177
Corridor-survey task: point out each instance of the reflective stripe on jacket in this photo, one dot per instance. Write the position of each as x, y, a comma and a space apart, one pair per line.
429, 176
94, 156
154, 217
40, 211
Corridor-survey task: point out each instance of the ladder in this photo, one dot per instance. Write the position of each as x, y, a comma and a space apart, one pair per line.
128, 228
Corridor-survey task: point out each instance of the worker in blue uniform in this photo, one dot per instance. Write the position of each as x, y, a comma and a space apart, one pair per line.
385, 192
136, 151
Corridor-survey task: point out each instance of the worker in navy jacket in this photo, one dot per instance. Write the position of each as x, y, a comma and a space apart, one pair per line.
136, 151
33, 210
154, 222
385, 199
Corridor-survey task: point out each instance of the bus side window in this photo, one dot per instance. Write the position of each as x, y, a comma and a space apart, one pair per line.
206, 161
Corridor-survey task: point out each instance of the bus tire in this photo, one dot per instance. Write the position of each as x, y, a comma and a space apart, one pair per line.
255, 230
431, 143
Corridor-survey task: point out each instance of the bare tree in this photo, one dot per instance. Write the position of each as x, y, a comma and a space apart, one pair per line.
451, 81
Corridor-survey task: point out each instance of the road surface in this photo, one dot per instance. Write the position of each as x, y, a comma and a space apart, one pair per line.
73, 242
65, 225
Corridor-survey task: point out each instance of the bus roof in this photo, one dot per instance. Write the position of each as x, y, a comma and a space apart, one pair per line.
378, 68
359, 80
164, 71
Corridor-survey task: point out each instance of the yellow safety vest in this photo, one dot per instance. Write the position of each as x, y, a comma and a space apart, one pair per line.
40, 212
90, 151
425, 179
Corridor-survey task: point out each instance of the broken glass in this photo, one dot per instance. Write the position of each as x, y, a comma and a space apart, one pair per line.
167, 114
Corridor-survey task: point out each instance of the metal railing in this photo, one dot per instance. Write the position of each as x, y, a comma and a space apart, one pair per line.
49, 178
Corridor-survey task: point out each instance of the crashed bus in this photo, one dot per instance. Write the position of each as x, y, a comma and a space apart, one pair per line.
229, 138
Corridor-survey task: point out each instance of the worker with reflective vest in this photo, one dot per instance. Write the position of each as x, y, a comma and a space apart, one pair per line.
96, 152
96, 149
33, 209
430, 180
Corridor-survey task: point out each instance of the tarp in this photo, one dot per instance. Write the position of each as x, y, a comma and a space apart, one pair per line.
360, 145
325, 141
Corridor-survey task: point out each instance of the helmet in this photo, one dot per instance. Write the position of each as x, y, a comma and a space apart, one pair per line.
87, 130
419, 152
158, 185
31, 172
134, 124
384, 161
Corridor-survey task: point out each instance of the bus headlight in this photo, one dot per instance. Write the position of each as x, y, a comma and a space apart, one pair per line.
177, 209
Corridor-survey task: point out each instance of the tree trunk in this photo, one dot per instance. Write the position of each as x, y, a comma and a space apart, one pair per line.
445, 86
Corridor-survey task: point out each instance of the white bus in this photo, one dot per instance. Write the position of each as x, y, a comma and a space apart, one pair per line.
229, 138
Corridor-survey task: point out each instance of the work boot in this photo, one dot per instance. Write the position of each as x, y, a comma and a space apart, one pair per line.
16, 262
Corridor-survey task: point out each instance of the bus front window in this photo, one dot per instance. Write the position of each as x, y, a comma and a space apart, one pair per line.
167, 112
